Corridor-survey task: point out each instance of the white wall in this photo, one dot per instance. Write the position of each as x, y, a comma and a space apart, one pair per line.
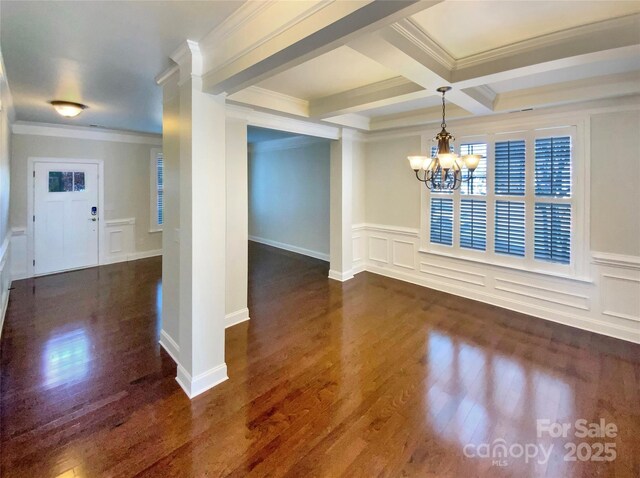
126, 214
289, 195
606, 301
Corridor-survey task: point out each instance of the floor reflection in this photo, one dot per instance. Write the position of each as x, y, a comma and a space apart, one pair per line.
66, 358
478, 394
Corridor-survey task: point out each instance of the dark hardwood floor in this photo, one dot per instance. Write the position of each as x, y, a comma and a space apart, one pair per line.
373, 377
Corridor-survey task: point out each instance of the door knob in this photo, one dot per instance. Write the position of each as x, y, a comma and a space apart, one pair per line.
93, 219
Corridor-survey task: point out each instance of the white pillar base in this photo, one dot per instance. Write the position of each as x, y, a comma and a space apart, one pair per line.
341, 276
194, 386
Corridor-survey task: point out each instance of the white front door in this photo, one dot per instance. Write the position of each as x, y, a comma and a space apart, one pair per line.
65, 216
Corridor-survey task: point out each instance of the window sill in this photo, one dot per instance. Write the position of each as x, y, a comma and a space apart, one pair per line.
575, 278
151, 231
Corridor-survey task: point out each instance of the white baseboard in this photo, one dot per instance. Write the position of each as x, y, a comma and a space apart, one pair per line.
288, 247
3, 310
169, 345
236, 317
194, 386
340, 276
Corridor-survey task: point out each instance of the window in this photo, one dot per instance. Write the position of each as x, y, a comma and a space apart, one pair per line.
66, 181
157, 190
519, 210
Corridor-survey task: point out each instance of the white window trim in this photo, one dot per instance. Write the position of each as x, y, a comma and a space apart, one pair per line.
578, 128
153, 192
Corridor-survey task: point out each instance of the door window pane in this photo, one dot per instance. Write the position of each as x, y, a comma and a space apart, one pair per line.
66, 181
78, 181
60, 181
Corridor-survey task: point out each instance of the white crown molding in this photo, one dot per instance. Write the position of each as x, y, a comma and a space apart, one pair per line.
81, 132
257, 96
234, 22
511, 120
285, 143
166, 74
243, 17
615, 26
416, 35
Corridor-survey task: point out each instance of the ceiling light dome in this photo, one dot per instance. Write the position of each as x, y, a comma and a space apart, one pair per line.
68, 109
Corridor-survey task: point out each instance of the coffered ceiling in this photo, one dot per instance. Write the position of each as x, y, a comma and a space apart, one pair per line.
365, 64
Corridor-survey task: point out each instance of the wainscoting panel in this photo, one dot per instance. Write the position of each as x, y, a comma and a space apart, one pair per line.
452, 273
379, 249
19, 269
5, 277
608, 304
620, 296
119, 240
404, 254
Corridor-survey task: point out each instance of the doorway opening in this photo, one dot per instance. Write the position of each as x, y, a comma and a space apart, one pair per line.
289, 191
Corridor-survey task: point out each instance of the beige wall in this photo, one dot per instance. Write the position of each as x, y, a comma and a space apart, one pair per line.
615, 176
126, 181
289, 196
392, 192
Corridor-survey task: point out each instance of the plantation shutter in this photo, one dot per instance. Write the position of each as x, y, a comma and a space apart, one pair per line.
553, 167
553, 232
552, 228
160, 188
510, 167
441, 221
509, 228
473, 224
478, 183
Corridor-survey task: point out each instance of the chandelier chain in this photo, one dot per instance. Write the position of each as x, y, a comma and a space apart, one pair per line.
444, 123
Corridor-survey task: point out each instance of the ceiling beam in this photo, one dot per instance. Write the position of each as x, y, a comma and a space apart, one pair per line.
272, 100
319, 29
610, 39
570, 92
404, 48
378, 94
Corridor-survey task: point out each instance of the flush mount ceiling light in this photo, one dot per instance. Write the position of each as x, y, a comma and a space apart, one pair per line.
68, 109
443, 171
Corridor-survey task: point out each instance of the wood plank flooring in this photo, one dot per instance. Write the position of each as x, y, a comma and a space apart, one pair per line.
373, 377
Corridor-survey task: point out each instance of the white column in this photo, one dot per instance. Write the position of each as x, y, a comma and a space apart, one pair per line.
170, 333
237, 220
202, 239
341, 201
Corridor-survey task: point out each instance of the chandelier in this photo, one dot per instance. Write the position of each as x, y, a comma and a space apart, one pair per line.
443, 172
